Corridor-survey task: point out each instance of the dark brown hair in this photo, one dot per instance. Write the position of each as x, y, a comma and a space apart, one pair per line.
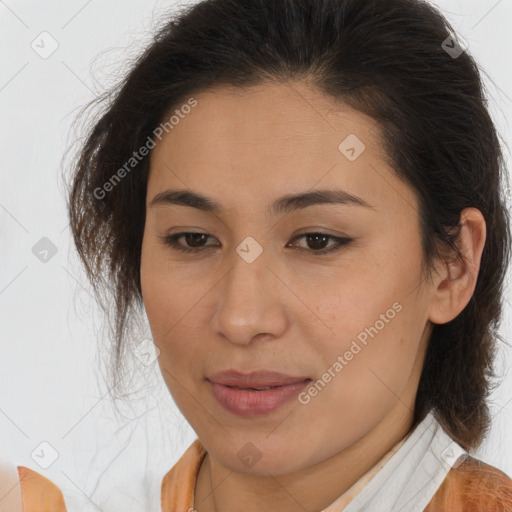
386, 58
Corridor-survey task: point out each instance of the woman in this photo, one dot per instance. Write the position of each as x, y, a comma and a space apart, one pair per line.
305, 198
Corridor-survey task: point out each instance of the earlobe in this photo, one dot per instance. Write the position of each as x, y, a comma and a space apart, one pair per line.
455, 287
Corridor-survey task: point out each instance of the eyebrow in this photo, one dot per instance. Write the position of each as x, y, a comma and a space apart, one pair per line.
284, 204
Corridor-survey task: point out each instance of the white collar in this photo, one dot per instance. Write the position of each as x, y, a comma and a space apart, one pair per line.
411, 477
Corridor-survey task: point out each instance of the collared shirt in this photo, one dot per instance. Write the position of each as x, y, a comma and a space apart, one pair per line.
425, 471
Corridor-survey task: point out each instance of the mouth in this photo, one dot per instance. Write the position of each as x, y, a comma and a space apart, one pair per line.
259, 394
256, 380
253, 389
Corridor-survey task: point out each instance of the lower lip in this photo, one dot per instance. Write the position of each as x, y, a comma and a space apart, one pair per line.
255, 403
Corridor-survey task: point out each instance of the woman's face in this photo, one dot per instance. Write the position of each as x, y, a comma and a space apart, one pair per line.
256, 295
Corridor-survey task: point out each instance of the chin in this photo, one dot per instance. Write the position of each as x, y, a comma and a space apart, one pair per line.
252, 458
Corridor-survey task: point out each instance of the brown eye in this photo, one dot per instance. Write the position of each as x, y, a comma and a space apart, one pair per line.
317, 242
194, 241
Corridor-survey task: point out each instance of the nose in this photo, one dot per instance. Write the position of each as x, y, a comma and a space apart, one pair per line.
251, 301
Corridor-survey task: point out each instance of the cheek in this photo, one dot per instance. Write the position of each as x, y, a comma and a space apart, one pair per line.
374, 361
169, 313
165, 295
375, 326
173, 307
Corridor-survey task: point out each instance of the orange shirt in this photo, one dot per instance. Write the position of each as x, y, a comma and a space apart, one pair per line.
473, 486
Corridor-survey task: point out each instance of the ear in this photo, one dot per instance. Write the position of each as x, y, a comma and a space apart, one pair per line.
456, 280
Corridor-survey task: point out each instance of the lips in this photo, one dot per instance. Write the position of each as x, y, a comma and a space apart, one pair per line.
258, 379
261, 392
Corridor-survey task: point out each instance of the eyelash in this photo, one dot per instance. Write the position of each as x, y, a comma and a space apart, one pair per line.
172, 241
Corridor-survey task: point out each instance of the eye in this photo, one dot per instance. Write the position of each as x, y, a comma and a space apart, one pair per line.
195, 242
194, 239
317, 242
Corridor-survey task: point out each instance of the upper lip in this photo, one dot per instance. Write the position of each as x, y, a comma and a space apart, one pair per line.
254, 379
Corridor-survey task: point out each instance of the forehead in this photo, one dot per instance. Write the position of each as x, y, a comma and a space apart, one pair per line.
272, 139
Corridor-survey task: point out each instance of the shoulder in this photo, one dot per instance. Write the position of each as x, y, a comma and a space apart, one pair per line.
39, 493
473, 486
178, 484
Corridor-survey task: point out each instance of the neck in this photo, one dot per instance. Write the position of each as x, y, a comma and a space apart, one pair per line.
219, 489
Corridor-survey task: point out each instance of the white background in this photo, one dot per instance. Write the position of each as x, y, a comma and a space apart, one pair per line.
50, 387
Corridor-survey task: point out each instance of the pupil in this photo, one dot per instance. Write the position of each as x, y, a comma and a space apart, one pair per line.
195, 237
316, 237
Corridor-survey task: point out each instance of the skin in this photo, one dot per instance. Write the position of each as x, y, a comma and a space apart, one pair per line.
291, 310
